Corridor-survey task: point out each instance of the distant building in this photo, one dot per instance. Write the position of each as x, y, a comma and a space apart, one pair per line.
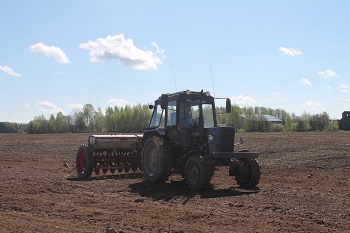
272, 120
344, 122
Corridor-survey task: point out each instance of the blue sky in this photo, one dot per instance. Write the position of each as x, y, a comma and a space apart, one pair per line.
60, 55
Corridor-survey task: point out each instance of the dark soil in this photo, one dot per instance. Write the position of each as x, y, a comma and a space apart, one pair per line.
304, 187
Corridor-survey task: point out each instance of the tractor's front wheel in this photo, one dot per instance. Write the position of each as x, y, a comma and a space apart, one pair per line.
156, 160
84, 162
247, 173
197, 173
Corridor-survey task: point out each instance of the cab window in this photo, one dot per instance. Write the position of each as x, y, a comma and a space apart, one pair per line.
157, 117
172, 113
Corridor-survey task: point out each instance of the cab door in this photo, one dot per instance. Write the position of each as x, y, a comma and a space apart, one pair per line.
172, 119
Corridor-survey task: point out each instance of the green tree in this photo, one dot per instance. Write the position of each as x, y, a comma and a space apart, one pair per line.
88, 115
109, 120
288, 122
52, 125
98, 120
61, 123
38, 126
79, 123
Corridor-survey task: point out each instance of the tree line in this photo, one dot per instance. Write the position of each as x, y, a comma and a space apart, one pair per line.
253, 120
134, 119
9, 127
126, 119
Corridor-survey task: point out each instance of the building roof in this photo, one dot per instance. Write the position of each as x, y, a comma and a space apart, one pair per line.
270, 118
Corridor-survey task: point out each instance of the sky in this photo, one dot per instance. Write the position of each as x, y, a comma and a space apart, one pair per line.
57, 56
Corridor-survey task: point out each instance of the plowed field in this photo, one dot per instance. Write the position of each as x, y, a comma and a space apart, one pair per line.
304, 187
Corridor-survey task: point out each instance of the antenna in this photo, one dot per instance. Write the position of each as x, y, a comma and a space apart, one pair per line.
212, 79
173, 75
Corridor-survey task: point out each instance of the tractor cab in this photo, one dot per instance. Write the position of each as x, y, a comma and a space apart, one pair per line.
184, 117
185, 109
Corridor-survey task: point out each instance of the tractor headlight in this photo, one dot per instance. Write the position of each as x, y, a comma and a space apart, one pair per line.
210, 138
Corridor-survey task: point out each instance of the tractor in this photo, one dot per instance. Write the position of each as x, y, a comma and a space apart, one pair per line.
183, 137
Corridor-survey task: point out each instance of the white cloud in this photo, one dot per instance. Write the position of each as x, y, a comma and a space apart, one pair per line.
276, 93
327, 74
118, 102
159, 51
313, 104
243, 101
50, 51
49, 107
290, 51
341, 98
344, 86
76, 106
123, 50
9, 71
305, 82
27, 105
328, 88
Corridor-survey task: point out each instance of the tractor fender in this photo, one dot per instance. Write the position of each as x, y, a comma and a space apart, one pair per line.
189, 154
152, 132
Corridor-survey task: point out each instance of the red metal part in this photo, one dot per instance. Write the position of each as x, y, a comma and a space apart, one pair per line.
81, 161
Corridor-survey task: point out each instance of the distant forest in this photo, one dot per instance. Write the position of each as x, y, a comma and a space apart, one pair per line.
132, 119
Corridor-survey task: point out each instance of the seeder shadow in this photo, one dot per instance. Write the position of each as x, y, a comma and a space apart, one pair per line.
179, 189
122, 176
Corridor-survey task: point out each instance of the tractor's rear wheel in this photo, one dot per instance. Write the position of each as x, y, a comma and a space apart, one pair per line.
156, 160
197, 173
247, 173
84, 162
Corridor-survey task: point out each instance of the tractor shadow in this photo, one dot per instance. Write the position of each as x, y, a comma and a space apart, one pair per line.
179, 190
171, 190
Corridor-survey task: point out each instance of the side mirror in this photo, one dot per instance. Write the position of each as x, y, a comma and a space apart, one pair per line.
150, 106
228, 105
164, 101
